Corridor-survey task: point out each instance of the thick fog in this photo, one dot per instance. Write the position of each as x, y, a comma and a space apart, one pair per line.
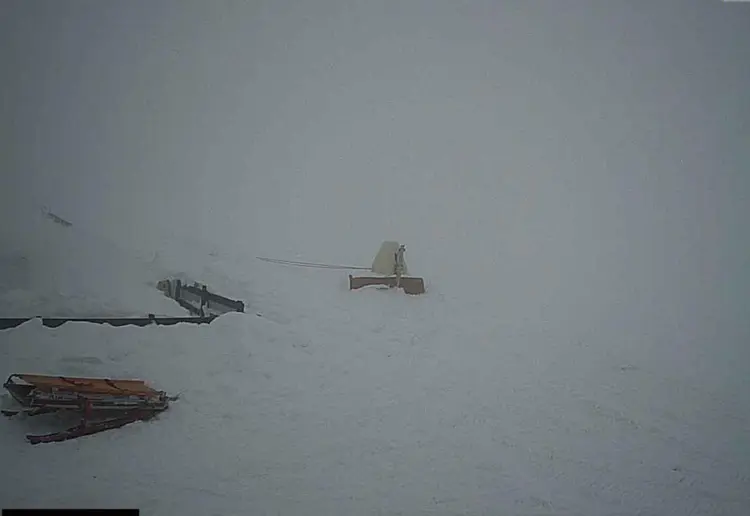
570, 178
578, 164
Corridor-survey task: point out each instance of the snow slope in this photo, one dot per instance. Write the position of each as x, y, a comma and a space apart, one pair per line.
335, 402
53, 271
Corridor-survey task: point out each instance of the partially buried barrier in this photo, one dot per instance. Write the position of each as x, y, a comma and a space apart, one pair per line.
198, 300
204, 305
54, 322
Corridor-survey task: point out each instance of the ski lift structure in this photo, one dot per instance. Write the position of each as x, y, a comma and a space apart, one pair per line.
390, 270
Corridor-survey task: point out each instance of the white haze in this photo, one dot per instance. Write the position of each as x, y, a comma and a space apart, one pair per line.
573, 173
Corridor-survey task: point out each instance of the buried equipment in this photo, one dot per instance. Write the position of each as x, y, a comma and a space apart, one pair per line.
103, 403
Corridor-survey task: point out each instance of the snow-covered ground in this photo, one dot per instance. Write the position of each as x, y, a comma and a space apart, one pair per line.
323, 401
570, 178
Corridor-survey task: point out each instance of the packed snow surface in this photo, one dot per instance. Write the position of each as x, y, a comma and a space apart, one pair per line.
323, 401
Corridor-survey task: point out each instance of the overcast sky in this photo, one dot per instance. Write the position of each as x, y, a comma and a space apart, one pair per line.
582, 140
